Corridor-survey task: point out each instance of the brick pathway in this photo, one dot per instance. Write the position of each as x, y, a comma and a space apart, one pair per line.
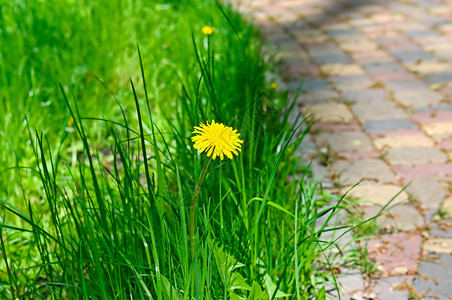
377, 75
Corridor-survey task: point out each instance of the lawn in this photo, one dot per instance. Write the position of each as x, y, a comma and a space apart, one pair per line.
99, 103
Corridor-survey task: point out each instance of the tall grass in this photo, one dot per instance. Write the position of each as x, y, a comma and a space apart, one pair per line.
101, 210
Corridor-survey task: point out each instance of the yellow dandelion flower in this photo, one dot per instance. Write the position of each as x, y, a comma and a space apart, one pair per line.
208, 30
273, 85
217, 139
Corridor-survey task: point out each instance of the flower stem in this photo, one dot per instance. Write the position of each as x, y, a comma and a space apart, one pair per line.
193, 207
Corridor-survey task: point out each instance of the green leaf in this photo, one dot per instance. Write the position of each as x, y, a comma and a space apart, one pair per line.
256, 292
234, 296
237, 282
273, 204
321, 294
271, 287
170, 291
227, 266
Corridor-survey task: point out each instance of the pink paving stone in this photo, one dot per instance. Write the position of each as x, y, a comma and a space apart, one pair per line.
295, 5
273, 9
373, 32
331, 23
400, 132
446, 144
446, 15
395, 22
394, 76
296, 70
433, 116
362, 55
397, 253
319, 44
358, 154
265, 24
397, 43
446, 91
372, 29
419, 170
336, 126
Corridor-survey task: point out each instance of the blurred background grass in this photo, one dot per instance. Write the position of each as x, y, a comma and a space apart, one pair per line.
73, 42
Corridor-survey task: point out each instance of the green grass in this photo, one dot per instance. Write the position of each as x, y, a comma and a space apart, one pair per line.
98, 172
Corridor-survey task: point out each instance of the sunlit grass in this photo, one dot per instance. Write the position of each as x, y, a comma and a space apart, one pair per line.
100, 171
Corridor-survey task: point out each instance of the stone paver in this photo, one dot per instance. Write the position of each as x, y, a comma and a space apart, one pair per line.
371, 111
394, 287
318, 96
422, 170
341, 69
438, 245
402, 217
402, 141
417, 99
366, 95
434, 281
380, 194
396, 254
430, 192
345, 141
328, 112
438, 129
378, 76
351, 282
415, 155
379, 126
373, 170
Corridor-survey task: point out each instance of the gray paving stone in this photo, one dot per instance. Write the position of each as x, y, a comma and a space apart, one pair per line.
309, 84
365, 95
370, 111
387, 125
403, 217
433, 21
373, 170
438, 231
390, 288
429, 191
427, 4
340, 32
383, 67
415, 155
332, 59
351, 82
418, 99
444, 54
345, 141
407, 85
398, 51
349, 282
412, 56
385, 39
420, 33
432, 109
434, 278
325, 51
318, 96
443, 77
